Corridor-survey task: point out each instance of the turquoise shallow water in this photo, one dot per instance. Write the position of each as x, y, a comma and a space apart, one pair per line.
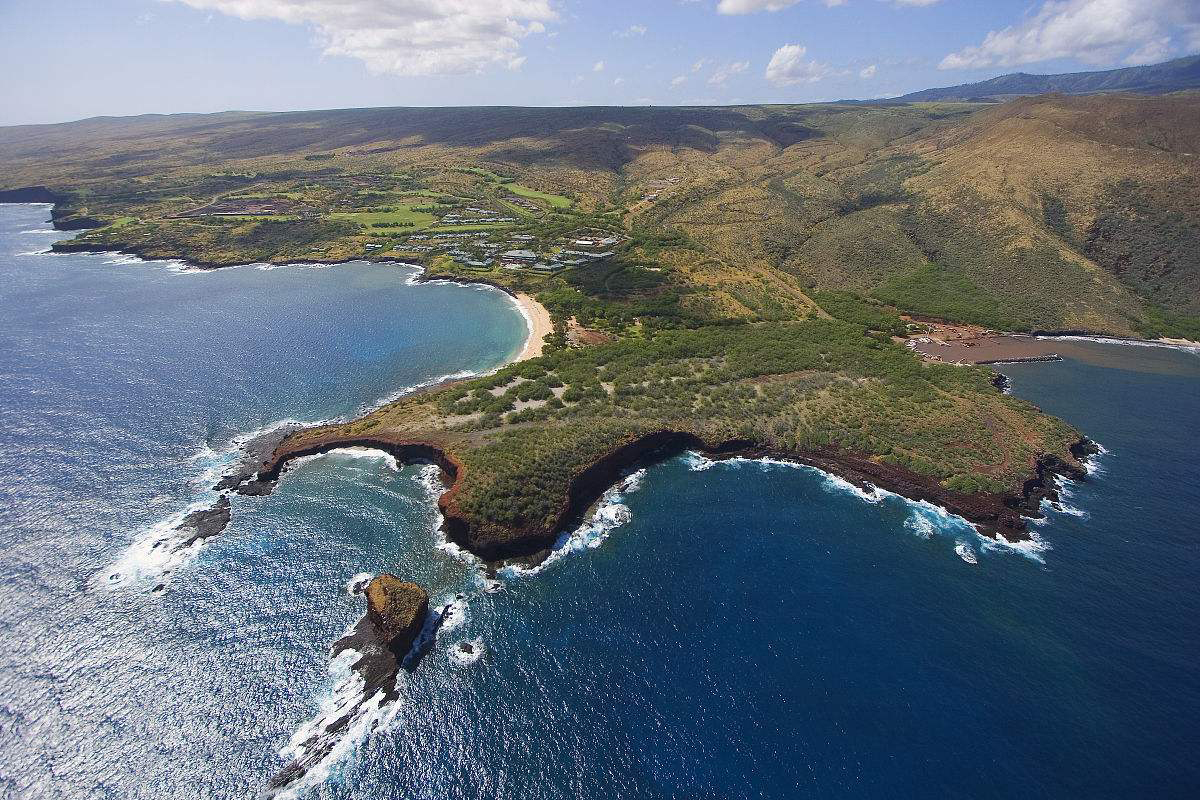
731, 630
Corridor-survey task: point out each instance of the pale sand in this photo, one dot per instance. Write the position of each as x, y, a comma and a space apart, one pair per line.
1184, 343
538, 319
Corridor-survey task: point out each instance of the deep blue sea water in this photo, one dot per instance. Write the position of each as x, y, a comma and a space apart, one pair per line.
733, 630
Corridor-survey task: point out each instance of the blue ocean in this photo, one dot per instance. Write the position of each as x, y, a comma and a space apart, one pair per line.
716, 630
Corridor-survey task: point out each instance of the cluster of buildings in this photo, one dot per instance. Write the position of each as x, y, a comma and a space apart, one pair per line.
473, 216
521, 202
482, 253
656, 187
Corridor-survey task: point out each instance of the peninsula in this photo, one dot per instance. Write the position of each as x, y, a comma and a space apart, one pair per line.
784, 281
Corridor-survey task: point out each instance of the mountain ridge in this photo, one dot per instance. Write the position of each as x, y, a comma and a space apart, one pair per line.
1169, 76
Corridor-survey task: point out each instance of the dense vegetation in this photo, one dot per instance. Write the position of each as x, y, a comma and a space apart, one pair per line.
1149, 237
523, 432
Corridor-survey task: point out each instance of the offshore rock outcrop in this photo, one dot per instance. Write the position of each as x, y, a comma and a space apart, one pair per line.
393, 635
398, 610
204, 524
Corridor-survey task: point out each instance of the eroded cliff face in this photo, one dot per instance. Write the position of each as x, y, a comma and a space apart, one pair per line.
398, 610
29, 194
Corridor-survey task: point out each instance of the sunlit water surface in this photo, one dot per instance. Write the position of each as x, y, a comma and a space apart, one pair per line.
719, 631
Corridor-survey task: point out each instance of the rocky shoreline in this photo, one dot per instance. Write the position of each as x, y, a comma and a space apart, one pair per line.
1001, 516
393, 635
1025, 360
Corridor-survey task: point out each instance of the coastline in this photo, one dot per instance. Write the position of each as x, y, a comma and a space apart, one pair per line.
1015, 348
537, 319
204, 520
1000, 516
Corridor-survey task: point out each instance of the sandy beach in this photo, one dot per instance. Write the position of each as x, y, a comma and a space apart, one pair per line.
540, 326
990, 349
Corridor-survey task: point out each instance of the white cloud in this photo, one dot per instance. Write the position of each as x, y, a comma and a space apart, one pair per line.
915, 2
751, 6
788, 67
867, 72
754, 6
721, 74
407, 37
678, 80
1097, 32
632, 30
699, 65
598, 66
618, 81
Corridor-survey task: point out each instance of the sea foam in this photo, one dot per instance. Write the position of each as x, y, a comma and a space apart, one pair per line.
924, 519
344, 706
609, 514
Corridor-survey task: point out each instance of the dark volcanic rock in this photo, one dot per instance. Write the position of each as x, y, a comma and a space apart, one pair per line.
65, 219
205, 523
995, 514
397, 614
254, 452
30, 194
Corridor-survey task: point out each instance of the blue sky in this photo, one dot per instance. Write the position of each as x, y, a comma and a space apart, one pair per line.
73, 59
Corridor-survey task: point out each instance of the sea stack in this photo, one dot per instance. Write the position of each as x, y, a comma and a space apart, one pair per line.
398, 610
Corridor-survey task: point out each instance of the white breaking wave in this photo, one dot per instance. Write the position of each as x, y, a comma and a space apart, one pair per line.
1125, 342
924, 519
920, 526
172, 265
358, 583
1092, 464
1032, 548
407, 390
454, 614
155, 553
429, 477
873, 495
366, 715
464, 658
365, 454
609, 514
966, 553
1063, 508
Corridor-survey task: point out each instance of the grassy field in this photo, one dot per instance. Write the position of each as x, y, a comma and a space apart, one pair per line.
555, 200
402, 214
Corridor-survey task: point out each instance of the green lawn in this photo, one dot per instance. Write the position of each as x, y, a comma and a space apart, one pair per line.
403, 213
555, 200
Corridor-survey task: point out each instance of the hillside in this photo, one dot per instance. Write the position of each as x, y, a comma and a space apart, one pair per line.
726, 279
1170, 76
1043, 213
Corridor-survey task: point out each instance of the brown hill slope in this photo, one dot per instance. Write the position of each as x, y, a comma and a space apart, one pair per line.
1044, 213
